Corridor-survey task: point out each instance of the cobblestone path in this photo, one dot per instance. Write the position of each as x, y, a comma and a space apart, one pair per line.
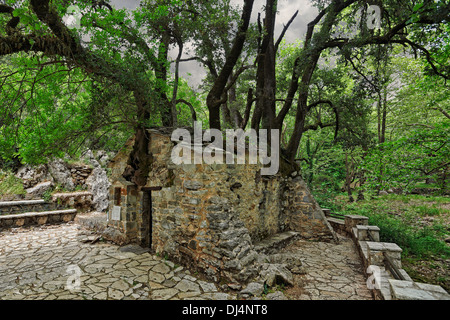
44, 262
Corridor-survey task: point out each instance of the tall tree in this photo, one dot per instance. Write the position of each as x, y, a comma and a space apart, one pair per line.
401, 23
119, 50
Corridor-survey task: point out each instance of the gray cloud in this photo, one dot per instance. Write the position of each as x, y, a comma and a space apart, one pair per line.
129, 4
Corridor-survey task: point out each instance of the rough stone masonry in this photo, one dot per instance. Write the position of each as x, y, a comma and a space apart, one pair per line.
209, 216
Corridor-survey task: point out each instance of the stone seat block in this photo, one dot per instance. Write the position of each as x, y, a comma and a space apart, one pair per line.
363, 231
37, 214
275, 242
352, 221
376, 251
410, 290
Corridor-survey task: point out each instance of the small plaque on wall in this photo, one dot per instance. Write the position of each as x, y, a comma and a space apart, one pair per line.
115, 215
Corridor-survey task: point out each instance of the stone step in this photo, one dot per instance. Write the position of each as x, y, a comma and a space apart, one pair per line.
273, 243
21, 202
93, 221
24, 206
39, 218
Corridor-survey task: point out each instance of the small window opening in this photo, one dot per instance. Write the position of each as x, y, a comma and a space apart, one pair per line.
117, 196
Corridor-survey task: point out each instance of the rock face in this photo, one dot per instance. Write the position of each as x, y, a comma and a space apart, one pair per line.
40, 189
253, 289
98, 184
274, 274
61, 174
91, 177
31, 176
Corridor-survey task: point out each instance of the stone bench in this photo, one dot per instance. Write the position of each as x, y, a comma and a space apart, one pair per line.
22, 206
377, 250
21, 202
37, 218
382, 262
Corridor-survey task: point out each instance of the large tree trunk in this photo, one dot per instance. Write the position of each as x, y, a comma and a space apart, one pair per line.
302, 110
216, 95
163, 102
264, 113
139, 161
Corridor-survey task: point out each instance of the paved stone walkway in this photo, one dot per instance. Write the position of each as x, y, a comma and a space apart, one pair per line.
43, 263
50, 262
333, 271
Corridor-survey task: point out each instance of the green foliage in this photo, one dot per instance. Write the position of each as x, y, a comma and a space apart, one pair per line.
10, 184
421, 243
47, 196
52, 106
54, 110
407, 160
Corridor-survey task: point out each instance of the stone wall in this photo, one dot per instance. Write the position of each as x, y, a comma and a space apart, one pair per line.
208, 216
81, 200
305, 214
126, 224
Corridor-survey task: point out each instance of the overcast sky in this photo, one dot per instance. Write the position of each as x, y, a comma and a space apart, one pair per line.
286, 8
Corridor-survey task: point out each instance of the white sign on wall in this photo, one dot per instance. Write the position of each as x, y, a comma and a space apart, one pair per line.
115, 215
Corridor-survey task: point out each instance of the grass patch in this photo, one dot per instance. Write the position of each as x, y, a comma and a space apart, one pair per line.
10, 184
425, 210
418, 224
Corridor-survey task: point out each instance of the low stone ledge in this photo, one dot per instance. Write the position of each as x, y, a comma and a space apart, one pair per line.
351, 221
275, 242
95, 221
338, 225
362, 232
39, 218
410, 290
364, 252
81, 200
